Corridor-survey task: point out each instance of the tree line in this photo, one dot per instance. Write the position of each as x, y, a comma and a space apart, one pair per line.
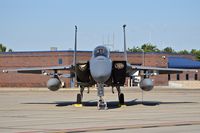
4, 48
148, 47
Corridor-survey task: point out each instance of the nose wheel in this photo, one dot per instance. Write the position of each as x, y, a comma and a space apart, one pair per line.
102, 104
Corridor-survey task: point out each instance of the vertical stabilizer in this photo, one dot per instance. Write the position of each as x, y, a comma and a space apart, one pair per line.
75, 57
125, 52
75, 48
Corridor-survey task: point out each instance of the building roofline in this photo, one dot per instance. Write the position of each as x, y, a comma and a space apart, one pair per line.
84, 51
48, 51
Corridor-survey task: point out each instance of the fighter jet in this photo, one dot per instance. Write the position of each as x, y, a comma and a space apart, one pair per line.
101, 71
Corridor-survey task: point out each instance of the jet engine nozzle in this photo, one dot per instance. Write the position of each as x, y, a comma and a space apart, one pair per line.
146, 84
53, 84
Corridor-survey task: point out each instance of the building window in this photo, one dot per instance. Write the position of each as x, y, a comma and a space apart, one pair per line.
169, 77
187, 76
196, 76
60, 61
177, 77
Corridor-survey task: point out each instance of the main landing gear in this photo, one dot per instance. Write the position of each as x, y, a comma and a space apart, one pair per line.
101, 104
120, 96
80, 95
79, 98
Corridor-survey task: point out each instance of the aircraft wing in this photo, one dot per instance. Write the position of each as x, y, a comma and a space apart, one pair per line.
38, 70
161, 70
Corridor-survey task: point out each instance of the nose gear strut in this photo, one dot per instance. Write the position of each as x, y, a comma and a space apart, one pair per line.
102, 104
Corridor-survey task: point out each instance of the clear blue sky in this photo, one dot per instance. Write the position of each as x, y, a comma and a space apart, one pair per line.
35, 25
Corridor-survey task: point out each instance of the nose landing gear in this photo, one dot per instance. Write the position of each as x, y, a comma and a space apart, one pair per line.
102, 104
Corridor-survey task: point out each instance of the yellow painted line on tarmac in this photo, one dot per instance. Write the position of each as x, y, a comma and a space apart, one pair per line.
122, 105
78, 105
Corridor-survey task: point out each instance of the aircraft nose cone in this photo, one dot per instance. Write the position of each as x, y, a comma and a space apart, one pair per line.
100, 68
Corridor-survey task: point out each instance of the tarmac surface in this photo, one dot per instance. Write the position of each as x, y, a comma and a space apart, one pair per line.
161, 110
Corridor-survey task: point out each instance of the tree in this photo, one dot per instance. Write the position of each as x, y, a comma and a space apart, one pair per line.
10, 50
183, 52
3, 48
135, 49
196, 53
168, 50
148, 47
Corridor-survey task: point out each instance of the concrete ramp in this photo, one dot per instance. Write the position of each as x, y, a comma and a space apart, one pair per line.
185, 84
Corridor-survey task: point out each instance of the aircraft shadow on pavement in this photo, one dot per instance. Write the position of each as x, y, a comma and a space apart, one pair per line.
111, 104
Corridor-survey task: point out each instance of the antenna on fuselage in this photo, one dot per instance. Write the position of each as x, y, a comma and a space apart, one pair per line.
125, 52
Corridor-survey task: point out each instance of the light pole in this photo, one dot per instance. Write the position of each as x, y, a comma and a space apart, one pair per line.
142, 65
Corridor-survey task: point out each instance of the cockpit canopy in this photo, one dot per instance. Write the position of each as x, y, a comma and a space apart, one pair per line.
101, 51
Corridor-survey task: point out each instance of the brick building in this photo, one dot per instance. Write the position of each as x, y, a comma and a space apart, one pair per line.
55, 58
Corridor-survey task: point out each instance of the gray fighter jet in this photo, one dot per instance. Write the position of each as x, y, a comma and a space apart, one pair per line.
100, 70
